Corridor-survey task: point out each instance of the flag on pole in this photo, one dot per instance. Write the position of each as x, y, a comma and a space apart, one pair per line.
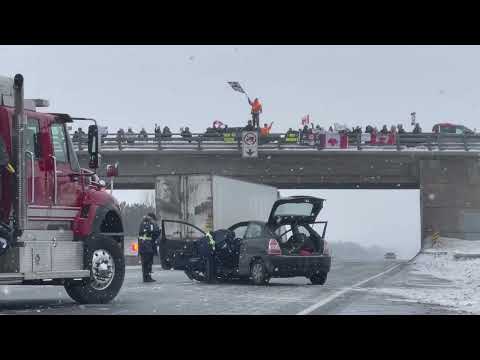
306, 120
217, 124
236, 86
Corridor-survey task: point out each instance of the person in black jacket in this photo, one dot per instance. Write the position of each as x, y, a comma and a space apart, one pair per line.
166, 132
148, 236
249, 126
417, 129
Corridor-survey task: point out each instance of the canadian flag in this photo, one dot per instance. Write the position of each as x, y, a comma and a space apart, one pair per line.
383, 139
306, 120
334, 140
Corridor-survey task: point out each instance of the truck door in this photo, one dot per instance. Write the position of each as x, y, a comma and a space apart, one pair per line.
36, 173
67, 182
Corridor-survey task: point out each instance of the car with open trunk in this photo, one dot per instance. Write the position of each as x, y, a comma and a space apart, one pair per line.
287, 245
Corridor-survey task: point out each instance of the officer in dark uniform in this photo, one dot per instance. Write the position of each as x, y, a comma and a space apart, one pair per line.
148, 236
6, 233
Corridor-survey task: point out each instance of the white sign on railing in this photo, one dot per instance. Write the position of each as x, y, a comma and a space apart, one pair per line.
249, 144
366, 137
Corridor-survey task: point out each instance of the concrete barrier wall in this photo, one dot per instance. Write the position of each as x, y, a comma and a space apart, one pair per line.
450, 198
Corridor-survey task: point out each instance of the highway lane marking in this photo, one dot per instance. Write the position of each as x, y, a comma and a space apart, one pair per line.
332, 297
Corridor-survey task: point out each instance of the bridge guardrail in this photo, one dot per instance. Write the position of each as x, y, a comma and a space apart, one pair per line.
405, 141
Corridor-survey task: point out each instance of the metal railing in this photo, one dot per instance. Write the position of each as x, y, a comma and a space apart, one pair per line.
405, 141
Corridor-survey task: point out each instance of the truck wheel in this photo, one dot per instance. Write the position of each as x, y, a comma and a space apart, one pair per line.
318, 279
258, 273
104, 258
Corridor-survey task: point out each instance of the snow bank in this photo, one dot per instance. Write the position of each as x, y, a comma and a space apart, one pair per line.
441, 279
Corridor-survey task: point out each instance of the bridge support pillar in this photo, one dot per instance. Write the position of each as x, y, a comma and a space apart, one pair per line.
450, 198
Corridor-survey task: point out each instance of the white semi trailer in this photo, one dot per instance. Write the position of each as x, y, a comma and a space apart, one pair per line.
212, 202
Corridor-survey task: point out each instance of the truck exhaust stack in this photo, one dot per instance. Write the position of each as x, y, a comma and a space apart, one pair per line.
18, 144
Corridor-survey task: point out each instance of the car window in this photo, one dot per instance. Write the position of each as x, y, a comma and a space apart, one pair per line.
190, 233
303, 230
294, 209
283, 233
240, 231
254, 231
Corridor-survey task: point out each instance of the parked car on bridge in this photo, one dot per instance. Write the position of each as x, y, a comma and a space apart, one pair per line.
287, 245
447, 128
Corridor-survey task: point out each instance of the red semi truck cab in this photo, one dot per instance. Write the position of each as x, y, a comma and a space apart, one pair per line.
67, 230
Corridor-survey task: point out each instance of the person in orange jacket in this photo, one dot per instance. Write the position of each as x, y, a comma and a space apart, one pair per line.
265, 130
256, 111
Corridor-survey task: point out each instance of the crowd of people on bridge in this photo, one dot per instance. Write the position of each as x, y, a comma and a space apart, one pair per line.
220, 130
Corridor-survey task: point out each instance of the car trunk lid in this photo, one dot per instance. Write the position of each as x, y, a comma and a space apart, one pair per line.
295, 209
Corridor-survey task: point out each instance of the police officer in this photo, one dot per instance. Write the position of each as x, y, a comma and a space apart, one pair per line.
148, 235
6, 232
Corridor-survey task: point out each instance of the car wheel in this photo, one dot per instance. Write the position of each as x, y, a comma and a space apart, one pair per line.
189, 274
318, 279
103, 256
258, 273
208, 275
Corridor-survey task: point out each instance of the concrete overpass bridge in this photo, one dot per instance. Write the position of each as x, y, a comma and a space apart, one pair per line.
448, 180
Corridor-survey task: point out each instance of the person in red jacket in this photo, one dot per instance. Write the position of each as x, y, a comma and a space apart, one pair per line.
256, 111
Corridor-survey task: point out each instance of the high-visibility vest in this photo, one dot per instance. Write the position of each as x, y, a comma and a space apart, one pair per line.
211, 242
10, 168
291, 138
256, 107
264, 131
229, 137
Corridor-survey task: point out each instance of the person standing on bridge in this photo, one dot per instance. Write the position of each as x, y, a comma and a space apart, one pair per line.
249, 126
148, 236
256, 111
417, 129
265, 130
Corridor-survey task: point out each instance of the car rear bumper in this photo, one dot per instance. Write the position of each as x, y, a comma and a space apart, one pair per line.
288, 266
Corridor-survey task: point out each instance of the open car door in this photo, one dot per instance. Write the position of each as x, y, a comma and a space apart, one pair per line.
176, 236
295, 209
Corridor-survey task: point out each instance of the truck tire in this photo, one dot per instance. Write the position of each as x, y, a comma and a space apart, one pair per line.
258, 273
318, 279
104, 258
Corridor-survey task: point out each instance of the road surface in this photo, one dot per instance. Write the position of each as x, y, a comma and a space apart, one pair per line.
346, 292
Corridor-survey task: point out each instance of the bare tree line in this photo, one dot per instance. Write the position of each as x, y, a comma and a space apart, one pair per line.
132, 214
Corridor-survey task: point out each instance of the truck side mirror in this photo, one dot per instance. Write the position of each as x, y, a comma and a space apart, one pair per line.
93, 147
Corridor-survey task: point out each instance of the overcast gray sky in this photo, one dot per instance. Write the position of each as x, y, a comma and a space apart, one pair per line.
178, 86
187, 85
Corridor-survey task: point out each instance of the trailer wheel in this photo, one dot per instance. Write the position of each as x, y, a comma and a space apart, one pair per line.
104, 258
318, 279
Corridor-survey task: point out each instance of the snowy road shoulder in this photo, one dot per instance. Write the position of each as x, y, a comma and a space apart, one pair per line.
438, 276
336, 295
